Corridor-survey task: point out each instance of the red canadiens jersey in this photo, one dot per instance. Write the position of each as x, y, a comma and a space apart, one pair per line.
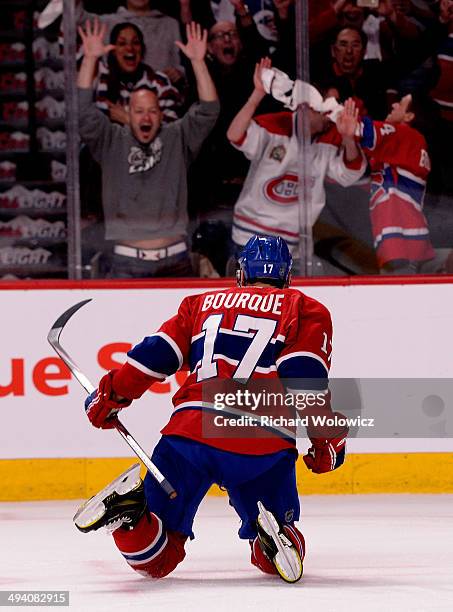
400, 165
241, 334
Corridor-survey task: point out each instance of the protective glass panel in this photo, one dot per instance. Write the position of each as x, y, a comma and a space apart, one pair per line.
393, 59
135, 177
33, 203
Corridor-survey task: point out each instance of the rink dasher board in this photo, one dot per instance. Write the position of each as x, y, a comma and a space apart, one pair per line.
390, 330
379, 331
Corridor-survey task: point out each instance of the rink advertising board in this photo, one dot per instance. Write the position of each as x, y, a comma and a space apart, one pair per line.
390, 331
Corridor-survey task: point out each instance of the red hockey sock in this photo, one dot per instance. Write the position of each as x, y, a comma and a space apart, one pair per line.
149, 548
260, 560
296, 538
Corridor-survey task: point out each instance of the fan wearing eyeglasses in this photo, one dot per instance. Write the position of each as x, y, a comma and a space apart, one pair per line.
218, 174
224, 42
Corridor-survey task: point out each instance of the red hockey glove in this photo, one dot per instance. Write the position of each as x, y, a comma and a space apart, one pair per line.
100, 406
327, 454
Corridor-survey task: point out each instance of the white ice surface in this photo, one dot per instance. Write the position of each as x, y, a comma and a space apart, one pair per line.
367, 553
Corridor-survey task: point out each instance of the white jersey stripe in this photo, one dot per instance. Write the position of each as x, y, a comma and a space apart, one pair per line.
401, 231
233, 332
410, 176
151, 557
235, 362
144, 369
153, 543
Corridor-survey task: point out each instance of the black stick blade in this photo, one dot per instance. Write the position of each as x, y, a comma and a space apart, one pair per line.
64, 318
53, 338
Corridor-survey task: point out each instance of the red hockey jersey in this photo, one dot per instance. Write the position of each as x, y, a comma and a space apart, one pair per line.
244, 333
400, 165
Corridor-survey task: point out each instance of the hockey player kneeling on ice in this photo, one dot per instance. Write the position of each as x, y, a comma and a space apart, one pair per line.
263, 330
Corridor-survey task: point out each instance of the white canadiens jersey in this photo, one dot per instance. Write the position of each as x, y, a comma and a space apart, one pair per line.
268, 202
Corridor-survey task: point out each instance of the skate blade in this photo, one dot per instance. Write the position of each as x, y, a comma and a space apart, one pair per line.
287, 560
94, 509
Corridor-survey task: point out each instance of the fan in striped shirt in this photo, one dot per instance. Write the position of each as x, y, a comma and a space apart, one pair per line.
125, 71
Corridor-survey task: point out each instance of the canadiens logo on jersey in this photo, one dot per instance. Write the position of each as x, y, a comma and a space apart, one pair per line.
282, 190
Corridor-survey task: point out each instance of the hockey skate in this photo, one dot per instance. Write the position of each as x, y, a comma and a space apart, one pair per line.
278, 547
120, 504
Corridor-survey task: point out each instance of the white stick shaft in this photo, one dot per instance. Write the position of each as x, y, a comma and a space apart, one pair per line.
54, 340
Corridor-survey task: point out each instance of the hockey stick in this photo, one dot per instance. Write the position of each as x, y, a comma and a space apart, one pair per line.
54, 340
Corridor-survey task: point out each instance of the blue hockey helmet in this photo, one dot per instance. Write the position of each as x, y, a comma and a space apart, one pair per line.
266, 259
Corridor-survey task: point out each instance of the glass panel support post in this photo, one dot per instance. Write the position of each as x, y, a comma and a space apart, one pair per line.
72, 142
305, 170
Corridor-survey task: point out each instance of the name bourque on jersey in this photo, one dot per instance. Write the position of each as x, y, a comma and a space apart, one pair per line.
245, 334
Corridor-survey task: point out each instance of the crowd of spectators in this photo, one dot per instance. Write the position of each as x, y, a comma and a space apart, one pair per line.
207, 157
